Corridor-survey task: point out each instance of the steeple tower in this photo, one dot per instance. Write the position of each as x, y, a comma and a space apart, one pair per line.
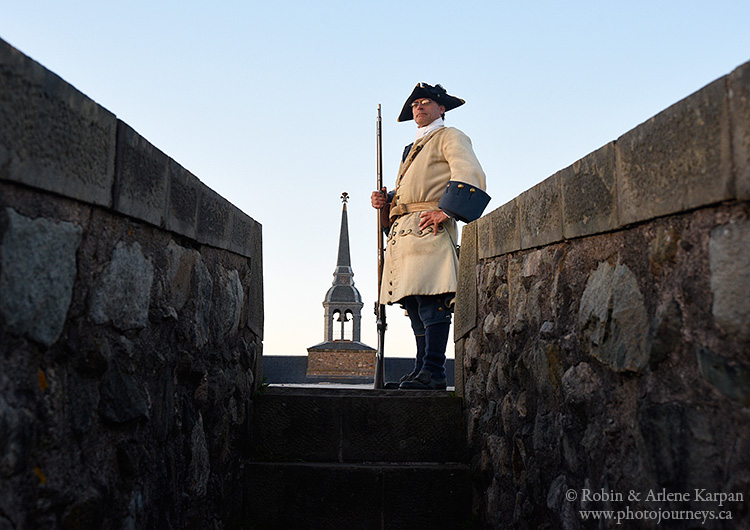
343, 302
342, 354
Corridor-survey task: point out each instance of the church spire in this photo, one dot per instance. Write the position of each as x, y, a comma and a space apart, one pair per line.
343, 303
342, 354
344, 272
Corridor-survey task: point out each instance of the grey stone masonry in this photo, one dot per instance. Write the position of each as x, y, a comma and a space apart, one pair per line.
540, 213
611, 362
499, 231
131, 322
141, 177
588, 194
123, 294
54, 138
51, 135
729, 261
678, 160
695, 153
739, 119
182, 208
466, 304
37, 271
602, 338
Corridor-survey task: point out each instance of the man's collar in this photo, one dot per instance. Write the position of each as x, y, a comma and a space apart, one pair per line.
427, 129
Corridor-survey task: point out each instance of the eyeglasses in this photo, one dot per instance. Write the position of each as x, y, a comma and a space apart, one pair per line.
423, 102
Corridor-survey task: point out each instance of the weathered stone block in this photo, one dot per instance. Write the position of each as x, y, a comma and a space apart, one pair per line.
545, 366
124, 290
667, 332
178, 274
140, 177
214, 218
540, 213
588, 191
255, 313
729, 377
227, 303
678, 160
739, 116
200, 465
729, 260
37, 273
499, 232
458, 376
612, 319
244, 234
201, 293
520, 311
182, 207
52, 136
681, 442
466, 294
580, 384
122, 397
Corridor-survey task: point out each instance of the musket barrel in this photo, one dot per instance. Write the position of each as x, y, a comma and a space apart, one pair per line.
380, 308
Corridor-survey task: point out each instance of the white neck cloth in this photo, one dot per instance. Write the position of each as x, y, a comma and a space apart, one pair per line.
427, 129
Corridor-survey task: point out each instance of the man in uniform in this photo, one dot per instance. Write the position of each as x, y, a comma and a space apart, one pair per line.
439, 181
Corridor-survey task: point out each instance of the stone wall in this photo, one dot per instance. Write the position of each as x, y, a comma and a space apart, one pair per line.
603, 346
131, 322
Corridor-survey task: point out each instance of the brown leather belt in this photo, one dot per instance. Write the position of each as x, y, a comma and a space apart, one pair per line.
402, 209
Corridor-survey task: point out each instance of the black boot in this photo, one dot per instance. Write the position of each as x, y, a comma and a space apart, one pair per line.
432, 374
418, 362
425, 380
437, 341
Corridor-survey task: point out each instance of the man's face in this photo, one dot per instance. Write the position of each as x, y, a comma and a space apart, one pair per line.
425, 111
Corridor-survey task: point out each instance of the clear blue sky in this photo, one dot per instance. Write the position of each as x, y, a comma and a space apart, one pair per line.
273, 105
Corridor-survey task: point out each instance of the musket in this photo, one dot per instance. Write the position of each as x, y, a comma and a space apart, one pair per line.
380, 308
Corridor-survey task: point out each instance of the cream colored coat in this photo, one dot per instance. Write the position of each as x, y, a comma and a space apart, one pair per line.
419, 262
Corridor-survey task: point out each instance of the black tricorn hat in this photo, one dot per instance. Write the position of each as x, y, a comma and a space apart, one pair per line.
435, 93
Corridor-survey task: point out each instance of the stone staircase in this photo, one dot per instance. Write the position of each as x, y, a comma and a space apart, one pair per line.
357, 459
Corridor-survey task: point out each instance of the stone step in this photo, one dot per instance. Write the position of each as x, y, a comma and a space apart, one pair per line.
345, 425
376, 496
